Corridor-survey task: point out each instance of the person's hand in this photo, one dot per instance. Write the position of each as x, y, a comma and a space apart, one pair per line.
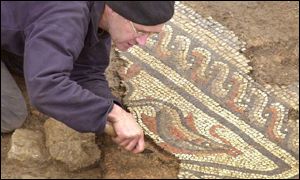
129, 134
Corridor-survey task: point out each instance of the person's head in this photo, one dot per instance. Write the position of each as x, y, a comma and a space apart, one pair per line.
132, 22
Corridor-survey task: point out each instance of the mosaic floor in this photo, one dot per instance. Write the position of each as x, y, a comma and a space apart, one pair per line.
190, 90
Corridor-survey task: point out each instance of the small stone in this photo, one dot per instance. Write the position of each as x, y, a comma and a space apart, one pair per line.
76, 150
27, 146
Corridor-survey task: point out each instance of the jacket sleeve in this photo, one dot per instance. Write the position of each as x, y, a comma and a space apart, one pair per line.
89, 68
50, 52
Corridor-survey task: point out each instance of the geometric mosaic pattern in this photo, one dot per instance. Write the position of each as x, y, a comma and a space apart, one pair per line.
190, 90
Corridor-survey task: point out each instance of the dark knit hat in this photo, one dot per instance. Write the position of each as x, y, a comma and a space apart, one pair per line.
147, 13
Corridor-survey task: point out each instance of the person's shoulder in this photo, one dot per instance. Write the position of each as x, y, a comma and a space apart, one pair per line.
64, 14
33, 6
29, 12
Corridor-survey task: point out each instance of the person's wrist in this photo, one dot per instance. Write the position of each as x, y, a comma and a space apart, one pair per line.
112, 116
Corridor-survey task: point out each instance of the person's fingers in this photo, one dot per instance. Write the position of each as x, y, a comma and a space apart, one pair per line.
132, 144
125, 142
140, 145
118, 139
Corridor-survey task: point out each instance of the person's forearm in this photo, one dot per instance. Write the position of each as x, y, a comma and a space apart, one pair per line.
115, 113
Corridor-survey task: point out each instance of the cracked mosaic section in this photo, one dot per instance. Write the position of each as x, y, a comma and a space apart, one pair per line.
190, 91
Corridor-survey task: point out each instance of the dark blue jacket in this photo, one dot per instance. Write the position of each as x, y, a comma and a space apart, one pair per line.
64, 59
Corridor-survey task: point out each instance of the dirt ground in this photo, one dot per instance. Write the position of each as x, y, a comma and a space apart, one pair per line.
271, 31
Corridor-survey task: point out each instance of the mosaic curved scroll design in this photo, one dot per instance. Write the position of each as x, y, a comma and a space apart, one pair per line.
190, 90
